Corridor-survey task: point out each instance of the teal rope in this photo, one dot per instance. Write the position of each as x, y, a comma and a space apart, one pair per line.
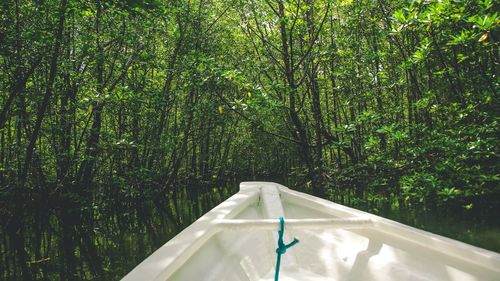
282, 247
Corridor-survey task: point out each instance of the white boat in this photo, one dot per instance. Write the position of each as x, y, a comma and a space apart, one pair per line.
237, 241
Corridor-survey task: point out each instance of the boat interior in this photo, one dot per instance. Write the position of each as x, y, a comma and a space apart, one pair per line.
238, 239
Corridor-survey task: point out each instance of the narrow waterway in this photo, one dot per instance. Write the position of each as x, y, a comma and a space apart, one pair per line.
55, 247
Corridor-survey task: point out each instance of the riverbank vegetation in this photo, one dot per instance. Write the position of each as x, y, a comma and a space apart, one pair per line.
118, 117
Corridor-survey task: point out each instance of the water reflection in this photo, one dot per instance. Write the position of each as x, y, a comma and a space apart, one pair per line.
99, 240
103, 239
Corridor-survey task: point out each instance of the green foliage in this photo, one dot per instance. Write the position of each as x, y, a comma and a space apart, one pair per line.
393, 103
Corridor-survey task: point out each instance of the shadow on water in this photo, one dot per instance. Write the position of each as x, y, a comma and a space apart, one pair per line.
106, 238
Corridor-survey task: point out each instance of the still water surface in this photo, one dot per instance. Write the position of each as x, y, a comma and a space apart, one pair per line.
119, 241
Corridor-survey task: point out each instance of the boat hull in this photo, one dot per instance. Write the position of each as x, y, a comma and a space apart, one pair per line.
237, 240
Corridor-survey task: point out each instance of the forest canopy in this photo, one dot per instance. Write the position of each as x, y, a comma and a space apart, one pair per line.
106, 105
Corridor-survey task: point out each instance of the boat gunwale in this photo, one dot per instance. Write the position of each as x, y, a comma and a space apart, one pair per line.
155, 267
162, 264
450, 247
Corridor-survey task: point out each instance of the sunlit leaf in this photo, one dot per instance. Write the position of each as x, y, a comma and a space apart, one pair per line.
483, 37
468, 206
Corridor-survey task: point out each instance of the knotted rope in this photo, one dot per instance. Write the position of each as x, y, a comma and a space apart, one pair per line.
282, 247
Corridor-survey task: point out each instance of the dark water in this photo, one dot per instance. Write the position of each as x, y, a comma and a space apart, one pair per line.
477, 232
116, 241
